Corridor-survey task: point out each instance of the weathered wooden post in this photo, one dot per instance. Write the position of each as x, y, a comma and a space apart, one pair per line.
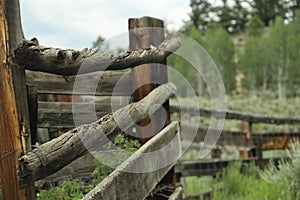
14, 118
144, 32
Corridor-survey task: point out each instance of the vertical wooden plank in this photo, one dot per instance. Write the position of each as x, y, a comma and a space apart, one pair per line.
14, 117
142, 37
9, 126
145, 78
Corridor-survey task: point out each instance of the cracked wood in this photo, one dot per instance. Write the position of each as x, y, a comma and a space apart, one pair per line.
33, 57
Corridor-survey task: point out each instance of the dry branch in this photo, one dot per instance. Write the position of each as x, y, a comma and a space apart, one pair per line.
54, 155
33, 57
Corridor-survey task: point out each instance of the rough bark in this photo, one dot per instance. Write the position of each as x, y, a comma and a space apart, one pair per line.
33, 57
121, 184
54, 155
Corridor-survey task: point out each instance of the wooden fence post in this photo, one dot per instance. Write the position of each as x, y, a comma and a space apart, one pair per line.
144, 32
14, 117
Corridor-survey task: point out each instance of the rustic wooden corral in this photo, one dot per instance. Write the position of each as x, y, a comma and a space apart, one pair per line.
68, 62
54, 155
14, 119
124, 185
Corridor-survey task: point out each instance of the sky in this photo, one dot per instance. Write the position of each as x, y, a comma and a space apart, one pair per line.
77, 24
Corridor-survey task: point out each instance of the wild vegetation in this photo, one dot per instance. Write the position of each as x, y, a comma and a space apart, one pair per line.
247, 181
249, 40
256, 47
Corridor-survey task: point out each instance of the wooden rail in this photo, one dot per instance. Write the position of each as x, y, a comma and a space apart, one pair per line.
58, 84
267, 141
121, 184
253, 118
71, 62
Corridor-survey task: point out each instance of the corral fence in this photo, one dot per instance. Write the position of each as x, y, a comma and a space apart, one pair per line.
50, 77
244, 144
43, 80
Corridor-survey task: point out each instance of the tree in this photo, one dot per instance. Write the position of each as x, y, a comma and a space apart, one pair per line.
98, 41
251, 63
252, 58
293, 48
185, 68
220, 46
255, 27
280, 53
231, 18
268, 10
200, 14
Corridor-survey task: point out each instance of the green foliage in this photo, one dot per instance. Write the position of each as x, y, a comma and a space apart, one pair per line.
233, 15
255, 27
66, 190
200, 14
102, 170
98, 41
242, 182
69, 190
220, 47
287, 172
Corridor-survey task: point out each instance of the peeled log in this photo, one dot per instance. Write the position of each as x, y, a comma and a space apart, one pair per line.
57, 153
69, 62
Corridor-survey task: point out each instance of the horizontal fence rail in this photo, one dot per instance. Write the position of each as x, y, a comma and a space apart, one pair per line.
58, 84
253, 118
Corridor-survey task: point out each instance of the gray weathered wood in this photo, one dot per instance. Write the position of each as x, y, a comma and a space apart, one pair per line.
121, 184
33, 57
177, 195
58, 84
79, 168
253, 118
268, 141
60, 114
57, 153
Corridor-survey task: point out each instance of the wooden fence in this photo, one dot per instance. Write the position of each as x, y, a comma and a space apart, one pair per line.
50, 80
250, 145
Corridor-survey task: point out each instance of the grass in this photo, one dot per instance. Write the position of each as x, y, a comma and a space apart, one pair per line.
237, 183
